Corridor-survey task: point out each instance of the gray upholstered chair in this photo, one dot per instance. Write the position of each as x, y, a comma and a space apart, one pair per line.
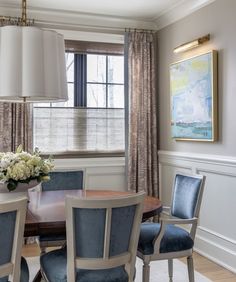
60, 180
12, 222
167, 239
64, 180
102, 239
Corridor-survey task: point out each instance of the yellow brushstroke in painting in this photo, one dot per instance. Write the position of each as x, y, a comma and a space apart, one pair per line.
178, 84
200, 66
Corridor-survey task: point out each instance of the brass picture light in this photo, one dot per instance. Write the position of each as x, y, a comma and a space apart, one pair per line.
192, 44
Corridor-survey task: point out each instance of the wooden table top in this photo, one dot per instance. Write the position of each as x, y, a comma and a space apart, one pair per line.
46, 210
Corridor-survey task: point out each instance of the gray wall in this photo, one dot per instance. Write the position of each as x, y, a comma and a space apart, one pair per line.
218, 19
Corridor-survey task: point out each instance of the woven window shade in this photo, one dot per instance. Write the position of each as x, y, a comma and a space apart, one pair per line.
87, 47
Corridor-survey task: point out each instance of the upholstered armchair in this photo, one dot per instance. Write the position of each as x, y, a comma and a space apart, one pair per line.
168, 239
12, 222
102, 239
60, 180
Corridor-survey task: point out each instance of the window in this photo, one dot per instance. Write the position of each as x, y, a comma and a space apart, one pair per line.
105, 81
92, 120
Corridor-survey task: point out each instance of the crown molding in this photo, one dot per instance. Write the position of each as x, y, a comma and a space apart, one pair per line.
63, 19
183, 9
71, 20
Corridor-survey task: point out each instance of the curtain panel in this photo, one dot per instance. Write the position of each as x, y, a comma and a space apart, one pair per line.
142, 140
16, 126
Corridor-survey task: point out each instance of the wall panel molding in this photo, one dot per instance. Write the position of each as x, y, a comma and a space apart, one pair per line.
198, 158
227, 240
99, 173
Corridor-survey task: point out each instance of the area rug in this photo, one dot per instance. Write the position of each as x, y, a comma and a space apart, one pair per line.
159, 271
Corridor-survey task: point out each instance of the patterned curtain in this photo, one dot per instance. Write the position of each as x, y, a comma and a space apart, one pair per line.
142, 130
16, 126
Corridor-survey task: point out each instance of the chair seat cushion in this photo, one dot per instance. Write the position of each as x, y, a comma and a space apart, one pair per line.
175, 239
54, 263
24, 274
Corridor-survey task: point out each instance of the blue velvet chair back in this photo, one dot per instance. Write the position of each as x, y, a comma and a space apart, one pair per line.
90, 231
64, 180
12, 220
186, 196
103, 233
7, 229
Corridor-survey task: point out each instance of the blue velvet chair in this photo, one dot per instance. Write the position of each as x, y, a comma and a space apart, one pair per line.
64, 180
60, 180
12, 222
165, 240
102, 239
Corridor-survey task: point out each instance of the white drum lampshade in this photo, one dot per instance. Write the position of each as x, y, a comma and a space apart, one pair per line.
32, 65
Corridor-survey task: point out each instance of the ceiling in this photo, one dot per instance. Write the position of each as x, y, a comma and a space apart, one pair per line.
149, 14
138, 9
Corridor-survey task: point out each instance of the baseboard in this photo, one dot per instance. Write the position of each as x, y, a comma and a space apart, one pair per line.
218, 254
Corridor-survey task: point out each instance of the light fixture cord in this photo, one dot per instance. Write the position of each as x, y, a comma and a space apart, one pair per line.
23, 21
24, 16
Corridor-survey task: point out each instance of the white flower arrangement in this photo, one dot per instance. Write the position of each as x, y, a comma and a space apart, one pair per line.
22, 167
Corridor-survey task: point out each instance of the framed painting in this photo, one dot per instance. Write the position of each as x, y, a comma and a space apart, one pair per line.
193, 87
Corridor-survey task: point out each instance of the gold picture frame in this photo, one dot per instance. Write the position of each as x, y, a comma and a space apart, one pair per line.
193, 90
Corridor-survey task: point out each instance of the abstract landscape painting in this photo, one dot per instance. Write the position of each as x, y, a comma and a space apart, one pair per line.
193, 87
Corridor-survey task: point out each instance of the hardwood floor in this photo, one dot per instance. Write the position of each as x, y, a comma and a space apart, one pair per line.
211, 270
204, 266
30, 250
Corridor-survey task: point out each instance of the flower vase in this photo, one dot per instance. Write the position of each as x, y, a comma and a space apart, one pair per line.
21, 187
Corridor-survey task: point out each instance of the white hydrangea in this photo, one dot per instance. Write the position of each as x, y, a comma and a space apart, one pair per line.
18, 171
23, 167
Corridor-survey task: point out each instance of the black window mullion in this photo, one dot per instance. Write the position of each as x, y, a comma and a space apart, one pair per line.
80, 80
106, 81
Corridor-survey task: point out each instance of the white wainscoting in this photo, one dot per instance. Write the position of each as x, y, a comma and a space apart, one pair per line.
216, 234
99, 173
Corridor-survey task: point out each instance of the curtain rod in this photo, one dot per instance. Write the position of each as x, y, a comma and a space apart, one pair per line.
89, 28
139, 30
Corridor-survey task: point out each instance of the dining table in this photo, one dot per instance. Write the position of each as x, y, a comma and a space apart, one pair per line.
46, 209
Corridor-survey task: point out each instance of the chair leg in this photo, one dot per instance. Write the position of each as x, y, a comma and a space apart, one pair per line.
190, 269
146, 272
170, 269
